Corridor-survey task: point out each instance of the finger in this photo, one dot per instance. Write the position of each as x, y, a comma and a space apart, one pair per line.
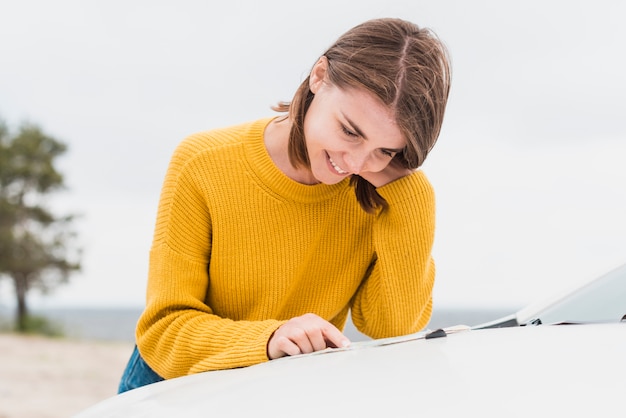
335, 338
300, 337
287, 347
316, 339
331, 336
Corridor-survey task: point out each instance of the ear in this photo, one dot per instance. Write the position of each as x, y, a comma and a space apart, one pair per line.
318, 74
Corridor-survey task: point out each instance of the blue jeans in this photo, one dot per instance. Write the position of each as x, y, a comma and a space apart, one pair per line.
137, 374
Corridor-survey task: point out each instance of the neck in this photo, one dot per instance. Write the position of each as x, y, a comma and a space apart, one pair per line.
276, 138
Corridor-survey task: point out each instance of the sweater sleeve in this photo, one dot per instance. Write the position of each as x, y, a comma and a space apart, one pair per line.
396, 297
178, 333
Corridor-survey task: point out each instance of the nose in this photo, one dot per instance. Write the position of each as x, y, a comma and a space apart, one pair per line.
356, 162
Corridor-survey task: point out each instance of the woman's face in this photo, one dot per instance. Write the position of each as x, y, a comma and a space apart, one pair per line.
347, 131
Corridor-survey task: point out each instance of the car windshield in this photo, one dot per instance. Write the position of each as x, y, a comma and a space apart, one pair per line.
602, 300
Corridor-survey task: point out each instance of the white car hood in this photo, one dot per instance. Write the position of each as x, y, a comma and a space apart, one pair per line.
566, 370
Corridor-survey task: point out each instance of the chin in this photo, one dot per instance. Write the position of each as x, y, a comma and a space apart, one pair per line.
331, 179
326, 177
330, 183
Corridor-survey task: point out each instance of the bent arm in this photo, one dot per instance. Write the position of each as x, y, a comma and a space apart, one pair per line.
178, 333
396, 297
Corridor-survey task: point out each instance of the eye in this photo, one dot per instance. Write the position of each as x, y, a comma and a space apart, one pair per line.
348, 132
388, 153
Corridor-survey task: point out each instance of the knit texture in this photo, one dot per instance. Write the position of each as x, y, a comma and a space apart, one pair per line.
239, 248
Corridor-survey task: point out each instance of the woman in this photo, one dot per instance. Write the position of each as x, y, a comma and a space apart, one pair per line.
269, 233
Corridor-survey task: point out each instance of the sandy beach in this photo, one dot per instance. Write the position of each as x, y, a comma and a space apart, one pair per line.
52, 378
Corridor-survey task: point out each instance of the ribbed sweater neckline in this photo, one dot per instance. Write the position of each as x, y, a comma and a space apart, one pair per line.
271, 177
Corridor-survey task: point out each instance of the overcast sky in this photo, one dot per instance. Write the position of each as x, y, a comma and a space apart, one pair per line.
528, 170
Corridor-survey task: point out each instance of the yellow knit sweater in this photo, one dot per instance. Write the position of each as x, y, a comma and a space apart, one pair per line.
239, 248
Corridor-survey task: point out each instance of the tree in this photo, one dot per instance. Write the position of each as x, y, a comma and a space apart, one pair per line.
36, 250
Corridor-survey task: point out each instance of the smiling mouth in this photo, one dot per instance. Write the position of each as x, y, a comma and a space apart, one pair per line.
336, 167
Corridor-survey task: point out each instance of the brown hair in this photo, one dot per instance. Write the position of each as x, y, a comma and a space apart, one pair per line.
406, 67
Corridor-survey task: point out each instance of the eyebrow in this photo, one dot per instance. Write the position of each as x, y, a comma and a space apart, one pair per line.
354, 126
362, 135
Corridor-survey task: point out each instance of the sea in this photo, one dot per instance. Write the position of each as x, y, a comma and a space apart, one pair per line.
118, 324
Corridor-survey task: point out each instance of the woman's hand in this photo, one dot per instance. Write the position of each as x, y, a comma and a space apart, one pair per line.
304, 334
391, 172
